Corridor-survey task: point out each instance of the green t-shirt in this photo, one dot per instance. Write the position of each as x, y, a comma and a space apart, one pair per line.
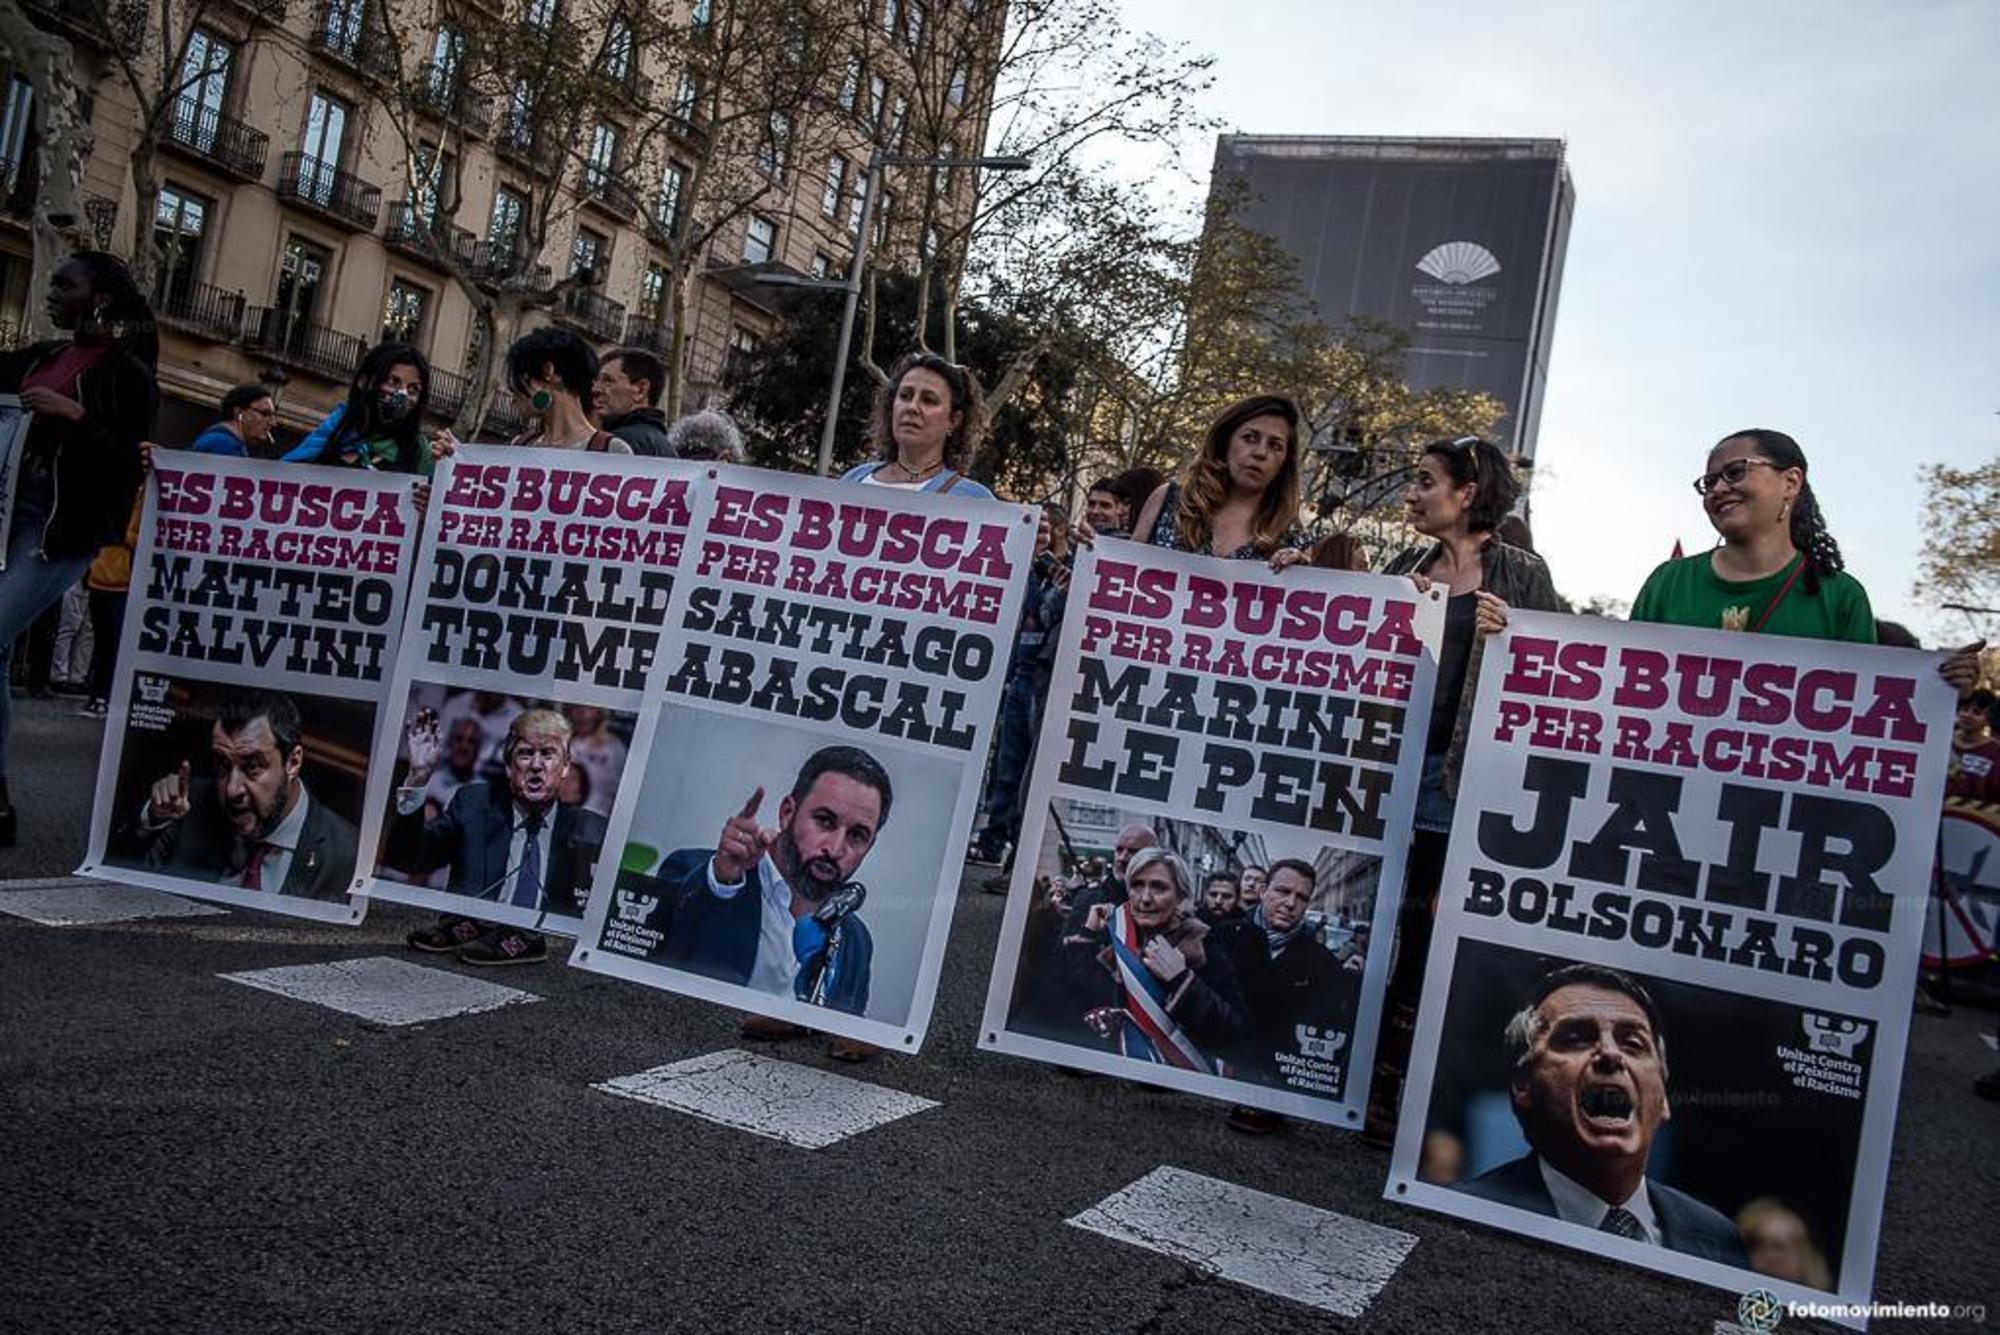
1688, 592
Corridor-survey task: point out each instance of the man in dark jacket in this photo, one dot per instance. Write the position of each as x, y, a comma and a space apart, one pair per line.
1301, 1000
626, 399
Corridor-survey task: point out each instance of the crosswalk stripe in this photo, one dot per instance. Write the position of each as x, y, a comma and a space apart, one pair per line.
799, 1105
76, 901
383, 989
1266, 1242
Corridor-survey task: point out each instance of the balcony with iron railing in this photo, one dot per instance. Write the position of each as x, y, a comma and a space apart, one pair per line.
641, 332
443, 96
305, 344
273, 12
220, 141
333, 194
629, 84
341, 30
448, 390
435, 243
495, 264
592, 313
201, 308
602, 188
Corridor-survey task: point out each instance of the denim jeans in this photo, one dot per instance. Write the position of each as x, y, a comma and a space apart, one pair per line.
29, 586
1010, 763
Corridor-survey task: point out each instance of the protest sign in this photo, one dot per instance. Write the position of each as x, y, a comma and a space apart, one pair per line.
14, 423
811, 752
1253, 725
1666, 1002
266, 610
541, 596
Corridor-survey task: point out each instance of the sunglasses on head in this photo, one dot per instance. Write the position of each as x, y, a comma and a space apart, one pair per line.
1467, 448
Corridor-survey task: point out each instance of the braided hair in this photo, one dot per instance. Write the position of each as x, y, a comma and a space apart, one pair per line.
125, 312
1808, 523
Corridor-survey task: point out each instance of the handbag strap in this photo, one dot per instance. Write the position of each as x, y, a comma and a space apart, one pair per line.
1779, 596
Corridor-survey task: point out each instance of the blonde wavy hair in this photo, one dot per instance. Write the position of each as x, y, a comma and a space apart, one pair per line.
1205, 480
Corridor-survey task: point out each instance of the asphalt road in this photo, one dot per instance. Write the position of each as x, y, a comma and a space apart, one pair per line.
185, 1153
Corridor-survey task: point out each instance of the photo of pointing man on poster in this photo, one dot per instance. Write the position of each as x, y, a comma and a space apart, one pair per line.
1588, 1053
250, 820
777, 909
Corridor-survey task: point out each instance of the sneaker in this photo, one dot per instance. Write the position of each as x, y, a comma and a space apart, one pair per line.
505, 945
1254, 1121
95, 709
764, 1029
450, 933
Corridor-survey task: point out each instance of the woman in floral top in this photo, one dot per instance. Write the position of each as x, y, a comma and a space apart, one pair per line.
1239, 496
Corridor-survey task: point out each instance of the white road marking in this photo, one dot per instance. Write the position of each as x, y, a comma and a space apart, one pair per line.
799, 1105
1266, 1242
382, 989
78, 901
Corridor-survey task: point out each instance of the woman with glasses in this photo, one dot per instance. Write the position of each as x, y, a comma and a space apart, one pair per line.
1461, 491
1776, 569
926, 423
1239, 496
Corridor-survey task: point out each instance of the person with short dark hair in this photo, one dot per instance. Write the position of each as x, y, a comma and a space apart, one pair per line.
249, 417
552, 372
626, 399
92, 400
1106, 509
1975, 754
251, 822
777, 908
929, 418
1220, 899
1587, 1053
380, 425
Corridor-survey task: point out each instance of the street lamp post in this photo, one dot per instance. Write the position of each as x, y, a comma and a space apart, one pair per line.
876, 162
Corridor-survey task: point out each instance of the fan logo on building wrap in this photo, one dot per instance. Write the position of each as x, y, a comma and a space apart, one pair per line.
1459, 262
1456, 298
1759, 1310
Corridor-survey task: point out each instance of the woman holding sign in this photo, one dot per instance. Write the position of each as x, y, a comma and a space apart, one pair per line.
925, 427
1239, 496
1776, 569
91, 399
380, 426
1461, 491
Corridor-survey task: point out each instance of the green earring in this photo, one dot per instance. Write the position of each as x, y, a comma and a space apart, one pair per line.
541, 400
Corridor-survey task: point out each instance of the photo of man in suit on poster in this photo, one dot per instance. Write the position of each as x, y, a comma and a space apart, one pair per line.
251, 821
1588, 1055
778, 908
510, 841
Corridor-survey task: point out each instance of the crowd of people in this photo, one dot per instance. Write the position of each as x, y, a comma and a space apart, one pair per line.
1775, 570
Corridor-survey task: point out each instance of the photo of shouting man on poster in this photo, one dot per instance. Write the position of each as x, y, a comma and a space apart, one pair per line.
250, 821
506, 842
777, 909
1589, 1088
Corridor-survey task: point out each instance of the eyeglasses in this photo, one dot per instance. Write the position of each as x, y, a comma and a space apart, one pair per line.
1732, 473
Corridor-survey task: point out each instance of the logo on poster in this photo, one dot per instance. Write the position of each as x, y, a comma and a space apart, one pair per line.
152, 690
1759, 1310
636, 908
1833, 1033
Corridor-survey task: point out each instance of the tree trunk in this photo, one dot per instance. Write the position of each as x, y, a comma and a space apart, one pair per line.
64, 137
146, 198
680, 290
481, 340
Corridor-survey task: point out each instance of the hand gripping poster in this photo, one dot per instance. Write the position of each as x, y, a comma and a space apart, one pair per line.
539, 609
811, 751
1212, 854
1665, 1007
266, 609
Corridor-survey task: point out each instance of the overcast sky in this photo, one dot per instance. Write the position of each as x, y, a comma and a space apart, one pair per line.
1788, 215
